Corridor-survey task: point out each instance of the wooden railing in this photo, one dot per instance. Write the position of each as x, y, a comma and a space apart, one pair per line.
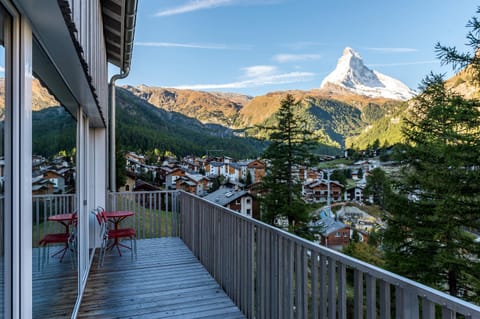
270, 273
44, 206
156, 213
266, 271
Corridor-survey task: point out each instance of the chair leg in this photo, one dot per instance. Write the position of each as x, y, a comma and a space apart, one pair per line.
135, 243
39, 256
101, 256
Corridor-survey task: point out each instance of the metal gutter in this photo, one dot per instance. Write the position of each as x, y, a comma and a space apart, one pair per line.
130, 19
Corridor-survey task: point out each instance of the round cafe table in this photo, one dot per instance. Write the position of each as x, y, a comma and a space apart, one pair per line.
64, 219
116, 217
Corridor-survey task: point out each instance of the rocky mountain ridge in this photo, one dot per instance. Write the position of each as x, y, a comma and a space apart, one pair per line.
353, 75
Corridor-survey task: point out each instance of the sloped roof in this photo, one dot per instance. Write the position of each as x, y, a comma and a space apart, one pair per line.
225, 196
331, 225
119, 17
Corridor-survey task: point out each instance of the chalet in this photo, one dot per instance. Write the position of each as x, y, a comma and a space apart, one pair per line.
60, 162
216, 169
41, 186
334, 234
186, 185
239, 201
237, 171
142, 186
308, 175
172, 176
193, 183
57, 179
129, 183
317, 191
366, 165
354, 193
257, 170
134, 158
192, 164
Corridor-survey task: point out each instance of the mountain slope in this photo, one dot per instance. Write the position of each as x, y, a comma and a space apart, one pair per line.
352, 75
143, 126
215, 108
388, 127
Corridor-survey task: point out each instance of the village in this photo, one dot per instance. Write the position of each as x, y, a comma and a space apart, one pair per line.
235, 184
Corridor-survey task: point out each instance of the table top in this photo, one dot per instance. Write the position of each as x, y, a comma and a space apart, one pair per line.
119, 213
61, 217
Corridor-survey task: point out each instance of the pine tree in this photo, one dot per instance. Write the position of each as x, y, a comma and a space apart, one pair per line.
437, 200
290, 146
437, 203
378, 186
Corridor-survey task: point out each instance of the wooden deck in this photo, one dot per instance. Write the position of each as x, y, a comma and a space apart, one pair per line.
166, 281
54, 286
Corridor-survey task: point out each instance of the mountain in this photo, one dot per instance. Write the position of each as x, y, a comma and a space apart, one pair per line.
141, 126
464, 83
333, 117
388, 128
214, 108
352, 75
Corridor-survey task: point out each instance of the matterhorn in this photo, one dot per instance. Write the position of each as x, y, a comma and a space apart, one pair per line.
352, 75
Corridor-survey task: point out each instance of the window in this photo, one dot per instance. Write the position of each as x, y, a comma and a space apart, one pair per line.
345, 234
337, 234
248, 200
5, 158
249, 211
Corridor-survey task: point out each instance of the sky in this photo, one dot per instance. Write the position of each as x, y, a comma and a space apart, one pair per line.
258, 46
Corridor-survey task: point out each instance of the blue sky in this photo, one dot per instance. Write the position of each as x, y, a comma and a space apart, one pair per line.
258, 46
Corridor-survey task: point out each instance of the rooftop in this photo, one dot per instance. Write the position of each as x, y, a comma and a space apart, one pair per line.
224, 196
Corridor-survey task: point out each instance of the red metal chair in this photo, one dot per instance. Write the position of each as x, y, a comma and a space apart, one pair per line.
117, 234
103, 234
68, 239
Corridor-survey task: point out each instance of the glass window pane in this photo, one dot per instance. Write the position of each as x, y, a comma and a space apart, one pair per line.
4, 158
54, 205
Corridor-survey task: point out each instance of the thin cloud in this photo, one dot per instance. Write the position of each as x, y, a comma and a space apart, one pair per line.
195, 5
259, 75
285, 58
2, 69
393, 50
404, 63
301, 45
259, 71
186, 45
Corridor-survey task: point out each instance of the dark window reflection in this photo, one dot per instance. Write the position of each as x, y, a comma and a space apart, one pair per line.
53, 205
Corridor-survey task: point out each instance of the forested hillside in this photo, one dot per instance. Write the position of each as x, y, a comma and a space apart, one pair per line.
141, 126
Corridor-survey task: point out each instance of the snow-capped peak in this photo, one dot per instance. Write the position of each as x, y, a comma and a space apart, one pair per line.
352, 74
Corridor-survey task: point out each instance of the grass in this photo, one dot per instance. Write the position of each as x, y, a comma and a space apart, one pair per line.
335, 163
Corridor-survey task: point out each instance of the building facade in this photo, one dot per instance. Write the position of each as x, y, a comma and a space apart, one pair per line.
66, 45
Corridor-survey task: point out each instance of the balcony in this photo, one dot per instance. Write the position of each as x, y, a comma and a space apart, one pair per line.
198, 259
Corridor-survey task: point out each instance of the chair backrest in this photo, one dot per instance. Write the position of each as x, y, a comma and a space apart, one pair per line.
99, 212
104, 216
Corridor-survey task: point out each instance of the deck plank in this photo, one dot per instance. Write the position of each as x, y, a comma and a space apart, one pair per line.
54, 286
165, 281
